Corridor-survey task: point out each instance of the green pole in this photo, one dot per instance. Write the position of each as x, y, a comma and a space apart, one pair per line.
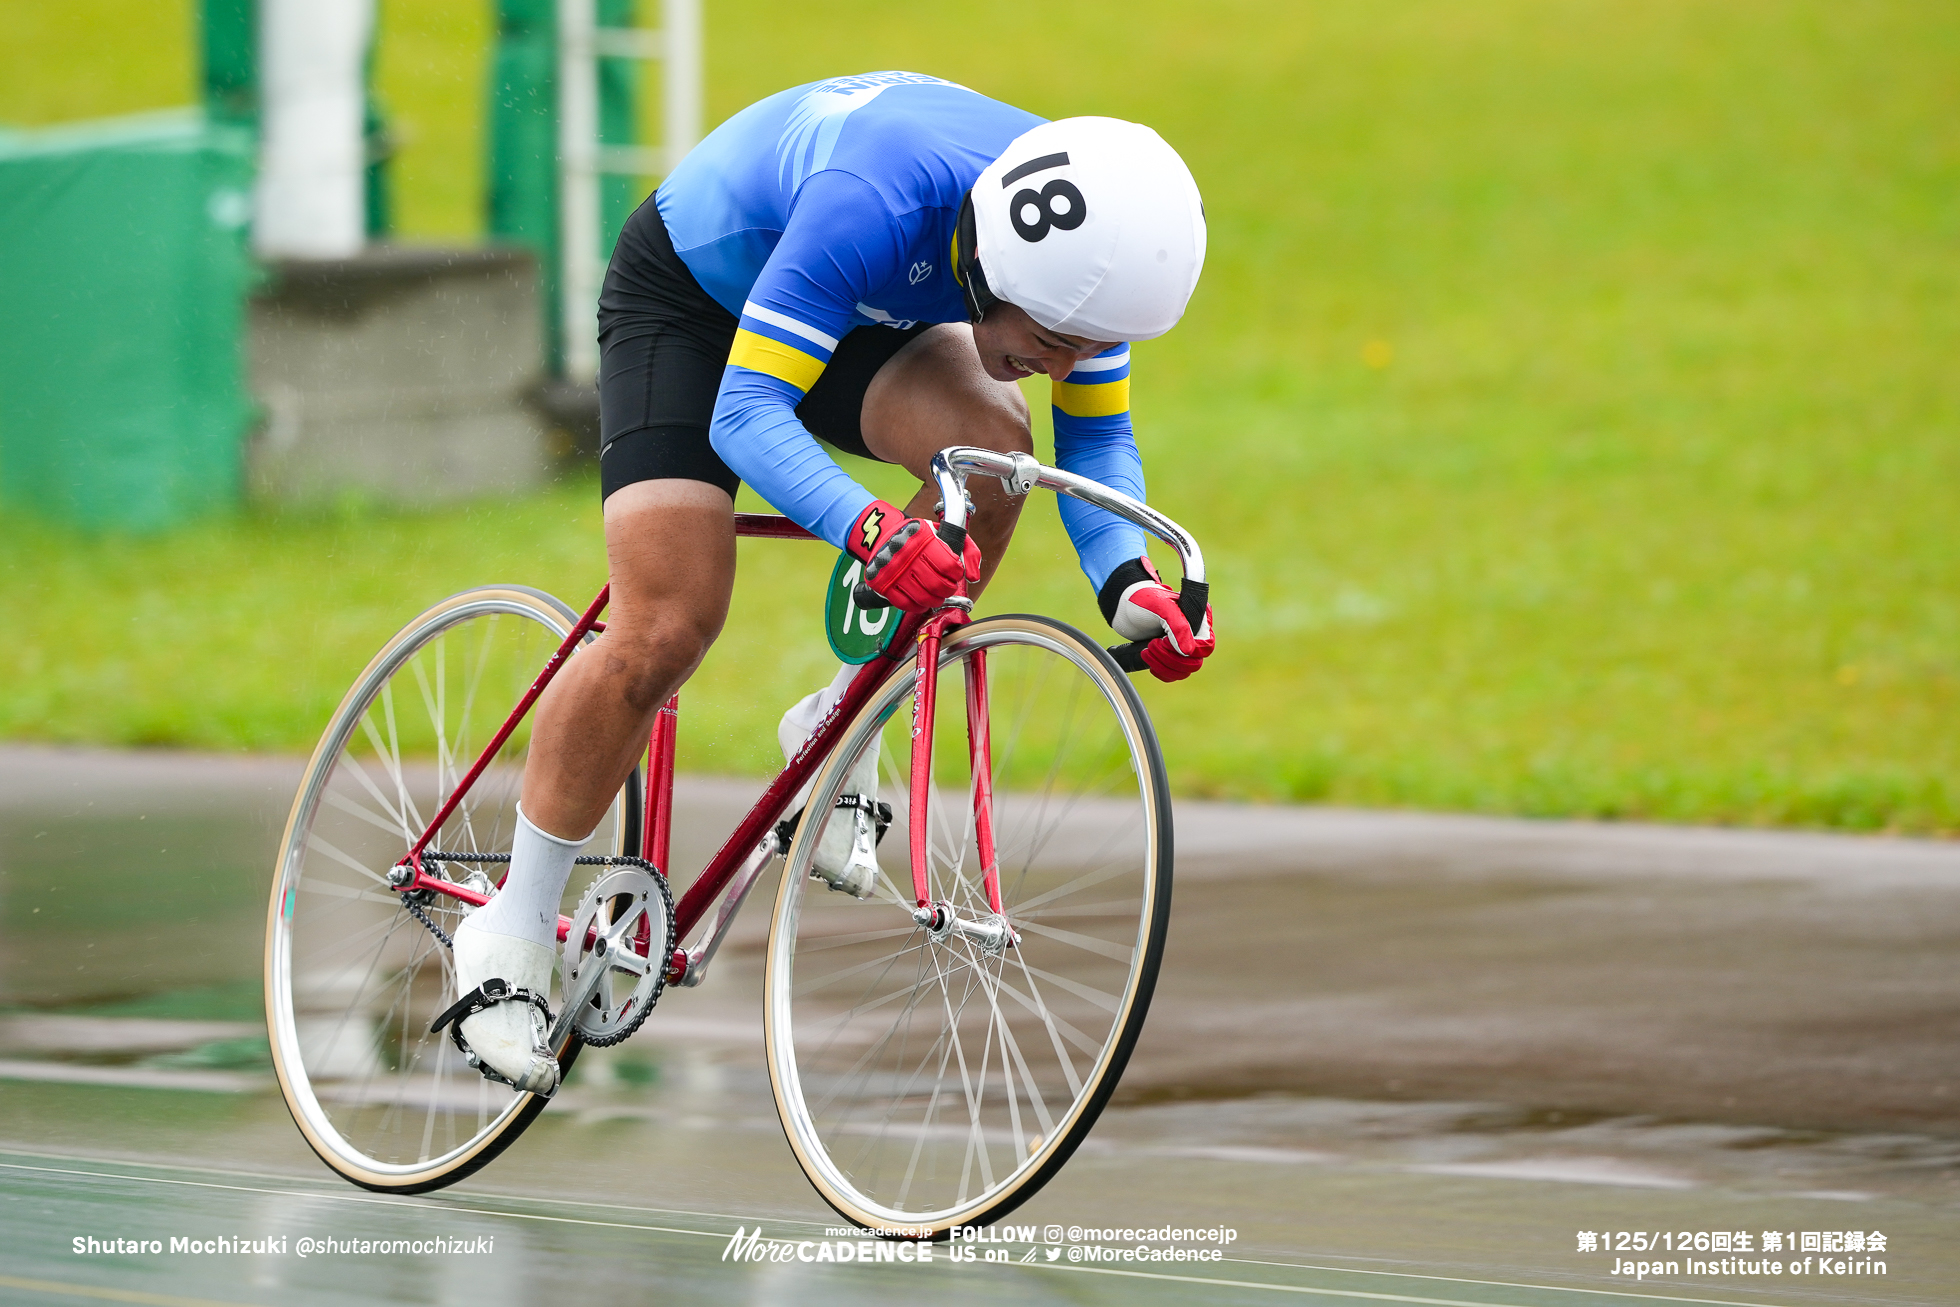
522, 195
619, 84
378, 140
229, 45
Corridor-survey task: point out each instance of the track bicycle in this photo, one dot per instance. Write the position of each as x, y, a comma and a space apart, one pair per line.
937, 1047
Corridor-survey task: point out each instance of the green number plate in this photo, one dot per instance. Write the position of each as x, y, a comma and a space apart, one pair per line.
855, 635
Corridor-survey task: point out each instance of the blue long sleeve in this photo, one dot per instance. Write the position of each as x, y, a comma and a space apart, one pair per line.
839, 237
831, 208
1093, 438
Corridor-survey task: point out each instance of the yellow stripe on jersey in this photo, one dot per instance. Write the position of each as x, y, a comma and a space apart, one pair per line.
784, 362
1099, 401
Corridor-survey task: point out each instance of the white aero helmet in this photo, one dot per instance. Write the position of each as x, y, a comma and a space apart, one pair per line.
1092, 225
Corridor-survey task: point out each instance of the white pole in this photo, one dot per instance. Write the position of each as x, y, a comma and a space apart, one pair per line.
578, 186
682, 69
312, 164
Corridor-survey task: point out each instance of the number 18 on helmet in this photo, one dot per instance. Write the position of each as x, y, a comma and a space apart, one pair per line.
1093, 226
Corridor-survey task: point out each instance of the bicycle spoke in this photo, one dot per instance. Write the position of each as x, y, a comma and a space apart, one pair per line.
392, 763
1114, 952
1105, 908
319, 845
863, 937
446, 771
966, 1090
933, 1071
1087, 993
364, 977
361, 812
327, 889
1083, 881
352, 765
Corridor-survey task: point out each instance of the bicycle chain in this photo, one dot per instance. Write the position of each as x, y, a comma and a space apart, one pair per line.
414, 902
414, 907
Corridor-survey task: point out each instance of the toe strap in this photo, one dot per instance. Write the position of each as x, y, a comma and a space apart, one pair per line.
484, 997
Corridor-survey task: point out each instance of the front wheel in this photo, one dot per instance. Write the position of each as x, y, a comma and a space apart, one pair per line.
352, 977
929, 1078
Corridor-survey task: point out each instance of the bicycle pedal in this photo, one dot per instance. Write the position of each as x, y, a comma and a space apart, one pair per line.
858, 874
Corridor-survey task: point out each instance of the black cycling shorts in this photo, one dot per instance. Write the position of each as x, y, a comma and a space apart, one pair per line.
663, 342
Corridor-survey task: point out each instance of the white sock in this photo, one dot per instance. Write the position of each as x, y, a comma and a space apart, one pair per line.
802, 718
527, 905
800, 722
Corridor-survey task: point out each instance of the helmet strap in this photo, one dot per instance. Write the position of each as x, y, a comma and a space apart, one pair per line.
966, 265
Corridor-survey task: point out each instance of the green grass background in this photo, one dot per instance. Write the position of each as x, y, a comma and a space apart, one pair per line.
1570, 409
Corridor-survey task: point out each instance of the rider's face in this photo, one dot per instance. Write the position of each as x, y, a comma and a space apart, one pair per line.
1013, 345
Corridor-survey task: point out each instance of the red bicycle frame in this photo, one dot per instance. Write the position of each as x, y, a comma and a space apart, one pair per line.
928, 630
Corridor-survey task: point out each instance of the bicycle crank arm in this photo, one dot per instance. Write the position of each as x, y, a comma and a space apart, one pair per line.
581, 994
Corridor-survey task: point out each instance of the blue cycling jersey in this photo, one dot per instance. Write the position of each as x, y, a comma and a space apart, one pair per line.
831, 206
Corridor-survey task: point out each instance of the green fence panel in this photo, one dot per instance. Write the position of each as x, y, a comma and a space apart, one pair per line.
521, 197
619, 95
123, 271
378, 144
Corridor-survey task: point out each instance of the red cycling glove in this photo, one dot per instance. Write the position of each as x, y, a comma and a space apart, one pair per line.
1139, 606
905, 560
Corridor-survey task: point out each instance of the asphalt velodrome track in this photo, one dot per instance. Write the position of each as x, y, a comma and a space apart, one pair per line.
1405, 1059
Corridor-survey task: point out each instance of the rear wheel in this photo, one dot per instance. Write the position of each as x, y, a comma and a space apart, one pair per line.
352, 978
928, 1079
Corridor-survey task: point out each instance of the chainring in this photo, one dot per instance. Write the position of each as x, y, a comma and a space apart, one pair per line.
628, 912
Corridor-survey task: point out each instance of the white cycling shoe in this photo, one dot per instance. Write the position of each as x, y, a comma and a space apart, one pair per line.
499, 1028
847, 852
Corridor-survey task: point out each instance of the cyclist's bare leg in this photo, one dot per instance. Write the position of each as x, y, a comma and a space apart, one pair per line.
670, 548
670, 554
670, 551
934, 393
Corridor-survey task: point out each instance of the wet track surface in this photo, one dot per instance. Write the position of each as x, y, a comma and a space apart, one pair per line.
1406, 1058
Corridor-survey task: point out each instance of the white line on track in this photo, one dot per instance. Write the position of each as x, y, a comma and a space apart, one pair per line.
356, 1198
1496, 1284
1359, 1294
337, 1192
65, 1289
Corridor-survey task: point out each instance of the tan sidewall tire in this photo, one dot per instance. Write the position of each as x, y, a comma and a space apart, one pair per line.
1049, 1159
291, 1076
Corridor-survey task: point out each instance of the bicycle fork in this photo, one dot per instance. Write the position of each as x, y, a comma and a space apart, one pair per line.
991, 933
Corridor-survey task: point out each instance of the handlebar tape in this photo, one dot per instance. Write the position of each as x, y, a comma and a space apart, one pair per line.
1192, 597
954, 538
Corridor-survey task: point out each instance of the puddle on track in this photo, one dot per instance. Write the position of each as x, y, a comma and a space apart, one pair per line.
130, 1035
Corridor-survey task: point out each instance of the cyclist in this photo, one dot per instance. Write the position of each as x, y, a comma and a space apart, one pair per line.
874, 260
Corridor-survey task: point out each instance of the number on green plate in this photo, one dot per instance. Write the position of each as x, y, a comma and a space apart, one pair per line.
856, 636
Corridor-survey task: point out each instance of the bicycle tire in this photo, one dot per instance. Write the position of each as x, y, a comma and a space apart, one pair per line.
1086, 852
353, 979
